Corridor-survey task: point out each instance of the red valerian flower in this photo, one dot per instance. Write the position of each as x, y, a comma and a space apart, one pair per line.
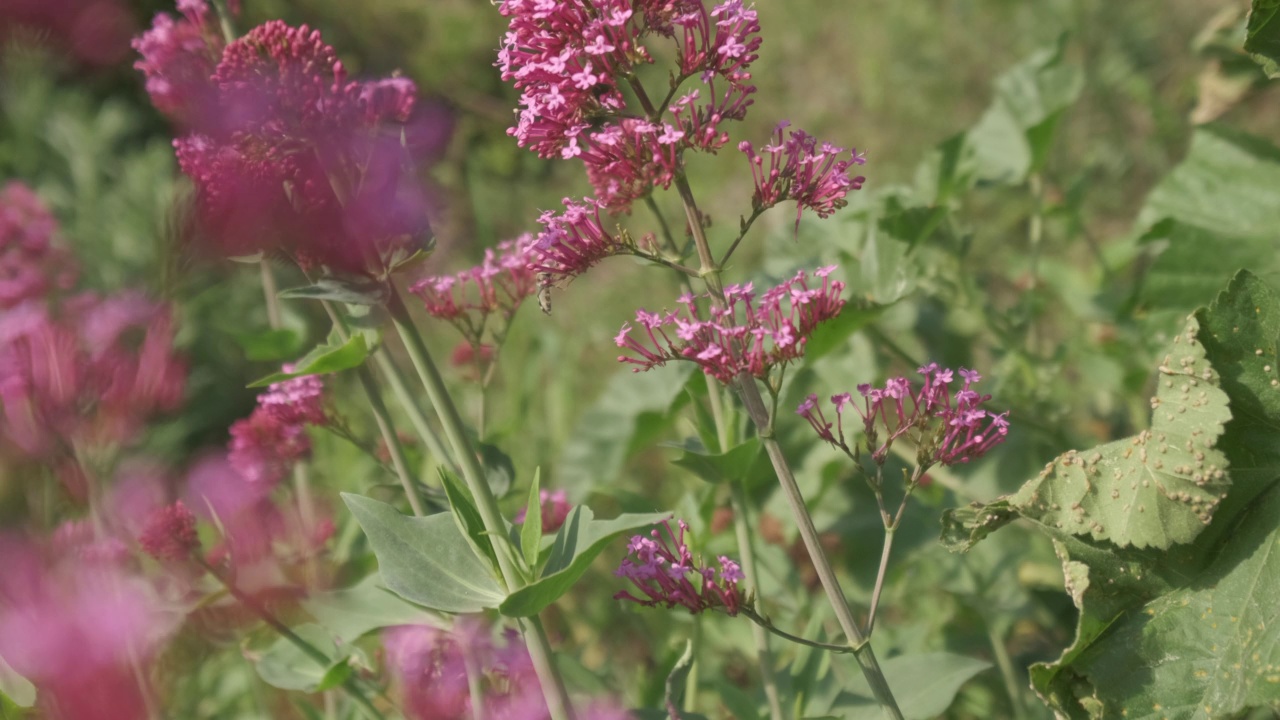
664, 570
265, 446
800, 169
31, 262
178, 59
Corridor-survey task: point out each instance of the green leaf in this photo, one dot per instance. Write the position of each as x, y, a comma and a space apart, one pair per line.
324, 359
498, 469
1157, 488
962, 528
833, 334
270, 345
334, 676
531, 533
604, 437
734, 465
341, 290
368, 605
1226, 183
468, 516
1262, 35
286, 666
1195, 263
426, 560
577, 543
925, 685
678, 678
16, 688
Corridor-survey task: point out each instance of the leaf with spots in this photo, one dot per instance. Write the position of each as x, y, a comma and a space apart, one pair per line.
1157, 488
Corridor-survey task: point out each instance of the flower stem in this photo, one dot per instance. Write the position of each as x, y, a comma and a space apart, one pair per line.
534, 635
764, 624
884, 564
1007, 672
395, 378
351, 685
738, 501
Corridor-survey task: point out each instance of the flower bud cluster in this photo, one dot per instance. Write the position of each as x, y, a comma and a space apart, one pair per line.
31, 265
170, 533
664, 570
743, 336
567, 59
265, 445
800, 169
946, 428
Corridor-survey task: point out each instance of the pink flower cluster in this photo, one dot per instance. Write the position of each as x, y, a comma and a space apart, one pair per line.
265, 445
661, 571
287, 153
567, 59
946, 428
554, 506
87, 373
800, 169
743, 336
573, 241
498, 285
430, 668
178, 57
170, 533
31, 265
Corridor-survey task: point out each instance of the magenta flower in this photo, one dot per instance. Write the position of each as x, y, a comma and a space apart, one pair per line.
555, 509
945, 428
745, 336
800, 169
265, 446
664, 570
31, 265
82, 378
574, 241
569, 58
178, 59
296, 158
170, 533
497, 286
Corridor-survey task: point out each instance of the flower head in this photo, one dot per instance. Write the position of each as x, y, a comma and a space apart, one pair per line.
497, 286
745, 335
946, 427
265, 445
801, 169
170, 533
178, 57
31, 263
666, 573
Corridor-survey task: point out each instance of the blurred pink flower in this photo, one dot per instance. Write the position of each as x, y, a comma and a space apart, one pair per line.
73, 627
265, 446
31, 262
498, 285
555, 509
170, 534
94, 32
178, 59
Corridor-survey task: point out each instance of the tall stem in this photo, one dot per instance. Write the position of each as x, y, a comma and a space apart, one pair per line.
395, 378
759, 413
738, 501
487, 505
1007, 673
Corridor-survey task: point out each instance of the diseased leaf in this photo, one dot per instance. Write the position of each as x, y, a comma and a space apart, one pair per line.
576, 544
1157, 488
426, 560
1262, 36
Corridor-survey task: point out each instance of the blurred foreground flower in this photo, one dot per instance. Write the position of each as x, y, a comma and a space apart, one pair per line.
31, 263
554, 507
944, 428
178, 59
662, 568
265, 446
745, 336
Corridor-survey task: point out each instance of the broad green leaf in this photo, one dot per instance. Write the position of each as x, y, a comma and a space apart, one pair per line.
576, 544
16, 688
426, 560
1262, 36
328, 358
366, 606
1226, 183
924, 685
604, 436
498, 469
833, 334
1157, 488
270, 345
286, 666
734, 465
341, 290
1195, 263
1006, 142
531, 532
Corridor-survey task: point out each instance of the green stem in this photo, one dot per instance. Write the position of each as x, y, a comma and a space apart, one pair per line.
351, 685
224, 21
738, 501
1007, 672
884, 565
395, 378
764, 624
691, 681
487, 505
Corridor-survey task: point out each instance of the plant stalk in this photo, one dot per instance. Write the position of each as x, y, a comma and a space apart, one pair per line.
741, 528
395, 378
534, 635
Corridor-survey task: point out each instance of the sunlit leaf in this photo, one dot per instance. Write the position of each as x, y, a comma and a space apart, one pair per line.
331, 357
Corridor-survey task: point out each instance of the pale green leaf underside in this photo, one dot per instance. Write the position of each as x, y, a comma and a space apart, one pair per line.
426, 560
1157, 488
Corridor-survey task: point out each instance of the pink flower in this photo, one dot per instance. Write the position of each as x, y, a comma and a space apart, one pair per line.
574, 241
31, 264
743, 336
555, 509
664, 570
497, 286
946, 428
178, 60
73, 626
265, 446
799, 169
170, 534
